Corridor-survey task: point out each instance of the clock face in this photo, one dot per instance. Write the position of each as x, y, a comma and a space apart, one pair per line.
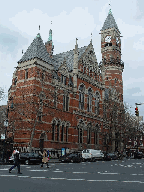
108, 39
117, 40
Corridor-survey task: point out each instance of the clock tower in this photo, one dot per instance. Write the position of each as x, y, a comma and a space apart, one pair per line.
112, 65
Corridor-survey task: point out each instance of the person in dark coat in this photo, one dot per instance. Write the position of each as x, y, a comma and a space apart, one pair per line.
16, 162
45, 158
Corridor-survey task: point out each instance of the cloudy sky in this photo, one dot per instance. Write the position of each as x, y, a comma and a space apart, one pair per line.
20, 20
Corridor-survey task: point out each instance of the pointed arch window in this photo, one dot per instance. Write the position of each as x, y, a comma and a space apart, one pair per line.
58, 126
81, 97
80, 135
89, 100
97, 99
62, 133
65, 102
96, 135
67, 127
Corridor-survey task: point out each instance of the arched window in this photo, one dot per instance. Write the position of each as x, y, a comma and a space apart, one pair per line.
67, 133
80, 135
81, 97
53, 131
65, 102
89, 100
58, 126
62, 133
97, 103
96, 135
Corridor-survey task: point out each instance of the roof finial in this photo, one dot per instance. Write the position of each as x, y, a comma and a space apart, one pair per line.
51, 22
76, 41
39, 27
110, 12
22, 51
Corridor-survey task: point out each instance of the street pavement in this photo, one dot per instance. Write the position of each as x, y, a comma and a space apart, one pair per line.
101, 176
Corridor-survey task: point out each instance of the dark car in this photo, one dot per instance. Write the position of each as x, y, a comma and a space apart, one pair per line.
110, 156
107, 157
73, 157
28, 158
138, 155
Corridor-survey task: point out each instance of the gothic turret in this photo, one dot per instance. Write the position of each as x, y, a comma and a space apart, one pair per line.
49, 44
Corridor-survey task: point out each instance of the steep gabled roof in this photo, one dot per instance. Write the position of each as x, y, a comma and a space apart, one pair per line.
69, 57
36, 50
109, 22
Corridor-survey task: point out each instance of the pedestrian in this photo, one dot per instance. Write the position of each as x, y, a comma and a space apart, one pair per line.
45, 158
16, 161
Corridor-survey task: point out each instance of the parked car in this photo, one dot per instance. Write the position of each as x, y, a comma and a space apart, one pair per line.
138, 155
28, 158
73, 157
107, 157
92, 155
110, 156
113, 156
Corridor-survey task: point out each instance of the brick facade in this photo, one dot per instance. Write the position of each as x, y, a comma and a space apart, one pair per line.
57, 101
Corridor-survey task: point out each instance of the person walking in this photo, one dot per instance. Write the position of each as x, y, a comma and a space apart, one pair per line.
45, 158
16, 161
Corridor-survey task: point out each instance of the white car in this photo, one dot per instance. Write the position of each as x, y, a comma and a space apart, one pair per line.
92, 155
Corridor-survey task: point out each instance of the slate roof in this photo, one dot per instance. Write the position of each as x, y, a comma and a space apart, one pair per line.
36, 50
69, 57
109, 22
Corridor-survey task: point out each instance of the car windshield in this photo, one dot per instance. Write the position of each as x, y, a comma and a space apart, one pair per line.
85, 151
71, 155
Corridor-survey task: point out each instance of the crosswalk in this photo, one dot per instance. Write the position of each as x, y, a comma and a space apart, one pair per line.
71, 177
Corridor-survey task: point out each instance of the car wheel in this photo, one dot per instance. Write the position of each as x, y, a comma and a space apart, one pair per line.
27, 162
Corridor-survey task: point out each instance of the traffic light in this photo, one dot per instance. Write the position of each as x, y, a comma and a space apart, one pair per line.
136, 111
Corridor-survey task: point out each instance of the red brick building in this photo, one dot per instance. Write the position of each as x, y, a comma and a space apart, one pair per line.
56, 101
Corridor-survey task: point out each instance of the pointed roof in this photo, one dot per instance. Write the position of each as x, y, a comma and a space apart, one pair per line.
36, 50
109, 22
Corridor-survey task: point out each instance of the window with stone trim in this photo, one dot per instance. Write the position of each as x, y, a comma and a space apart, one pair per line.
97, 100
58, 127
67, 127
80, 136
89, 134
62, 133
95, 137
81, 97
89, 100
65, 102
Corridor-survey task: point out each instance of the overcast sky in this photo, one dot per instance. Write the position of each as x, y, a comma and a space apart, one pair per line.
20, 20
